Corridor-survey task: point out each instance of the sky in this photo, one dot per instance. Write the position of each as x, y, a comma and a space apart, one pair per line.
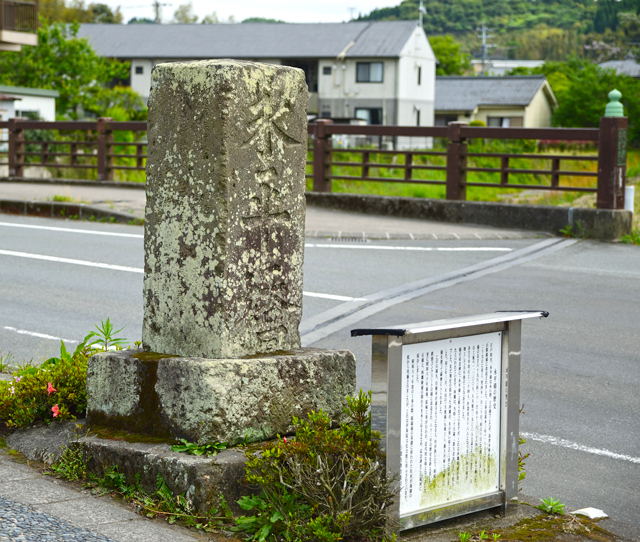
293, 11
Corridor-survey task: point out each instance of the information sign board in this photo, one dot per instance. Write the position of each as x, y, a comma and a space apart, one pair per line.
446, 398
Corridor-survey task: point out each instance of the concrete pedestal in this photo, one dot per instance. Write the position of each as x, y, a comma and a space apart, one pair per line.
216, 400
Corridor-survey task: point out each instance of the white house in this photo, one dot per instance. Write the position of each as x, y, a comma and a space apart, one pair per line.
34, 103
380, 72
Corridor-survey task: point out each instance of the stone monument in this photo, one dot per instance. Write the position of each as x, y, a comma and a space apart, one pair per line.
224, 248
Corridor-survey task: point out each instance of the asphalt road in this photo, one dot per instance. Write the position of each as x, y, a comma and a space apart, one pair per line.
580, 370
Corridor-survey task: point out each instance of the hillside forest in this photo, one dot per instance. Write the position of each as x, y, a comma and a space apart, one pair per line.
532, 29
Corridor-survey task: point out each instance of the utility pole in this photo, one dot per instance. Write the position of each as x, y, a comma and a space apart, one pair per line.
422, 10
157, 7
352, 12
484, 34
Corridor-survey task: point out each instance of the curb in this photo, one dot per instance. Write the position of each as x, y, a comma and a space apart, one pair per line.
595, 223
59, 209
75, 182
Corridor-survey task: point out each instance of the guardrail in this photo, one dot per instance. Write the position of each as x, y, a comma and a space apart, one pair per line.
18, 16
92, 145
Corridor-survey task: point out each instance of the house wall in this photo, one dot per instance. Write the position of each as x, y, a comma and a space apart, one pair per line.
141, 83
45, 107
538, 113
485, 112
7, 111
339, 94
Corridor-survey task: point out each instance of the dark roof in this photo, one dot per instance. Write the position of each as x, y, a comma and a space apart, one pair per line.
623, 67
466, 93
26, 91
248, 41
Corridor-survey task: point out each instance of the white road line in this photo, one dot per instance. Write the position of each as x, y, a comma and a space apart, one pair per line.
547, 439
39, 335
412, 249
71, 230
335, 297
69, 260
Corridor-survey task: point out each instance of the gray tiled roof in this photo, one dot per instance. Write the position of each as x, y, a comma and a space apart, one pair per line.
249, 41
466, 93
623, 67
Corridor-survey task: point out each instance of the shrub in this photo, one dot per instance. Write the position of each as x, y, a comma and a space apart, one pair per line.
56, 389
325, 485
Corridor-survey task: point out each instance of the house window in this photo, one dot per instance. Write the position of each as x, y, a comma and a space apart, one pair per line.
505, 122
326, 70
370, 115
444, 120
139, 70
419, 75
369, 72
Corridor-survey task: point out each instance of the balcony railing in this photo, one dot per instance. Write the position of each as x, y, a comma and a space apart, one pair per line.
18, 16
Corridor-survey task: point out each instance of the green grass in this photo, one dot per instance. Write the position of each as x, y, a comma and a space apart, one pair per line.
549, 197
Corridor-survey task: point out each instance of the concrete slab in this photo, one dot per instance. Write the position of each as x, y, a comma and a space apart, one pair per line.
88, 512
38, 491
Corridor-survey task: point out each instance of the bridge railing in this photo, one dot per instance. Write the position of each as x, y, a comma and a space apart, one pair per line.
105, 146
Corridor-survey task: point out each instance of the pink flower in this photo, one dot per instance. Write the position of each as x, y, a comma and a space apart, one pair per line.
55, 410
18, 379
50, 388
284, 439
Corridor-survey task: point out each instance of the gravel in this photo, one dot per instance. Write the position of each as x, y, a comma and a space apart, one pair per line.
20, 523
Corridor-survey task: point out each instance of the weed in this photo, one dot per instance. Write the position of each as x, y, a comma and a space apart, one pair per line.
483, 536
464, 537
6, 361
521, 457
552, 506
72, 464
162, 503
572, 230
199, 449
105, 337
633, 239
495, 537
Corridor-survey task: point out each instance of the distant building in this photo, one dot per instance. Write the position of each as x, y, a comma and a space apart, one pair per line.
501, 67
526, 101
379, 72
33, 103
623, 67
18, 24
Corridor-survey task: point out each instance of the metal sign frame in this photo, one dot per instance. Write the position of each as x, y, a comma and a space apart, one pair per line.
387, 401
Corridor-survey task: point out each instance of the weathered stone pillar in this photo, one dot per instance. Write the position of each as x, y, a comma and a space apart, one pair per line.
224, 223
224, 242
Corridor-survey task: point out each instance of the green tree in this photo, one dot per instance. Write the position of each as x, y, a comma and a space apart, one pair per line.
451, 61
261, 20
75, 11
68, 64
184, 14
582, 90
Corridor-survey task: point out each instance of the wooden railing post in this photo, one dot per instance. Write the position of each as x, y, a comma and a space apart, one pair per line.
321, 156
456, 162
612, 155
105, 150
16, 149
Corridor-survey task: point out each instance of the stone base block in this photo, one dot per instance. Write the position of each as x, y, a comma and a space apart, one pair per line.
216, 400
201, 479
